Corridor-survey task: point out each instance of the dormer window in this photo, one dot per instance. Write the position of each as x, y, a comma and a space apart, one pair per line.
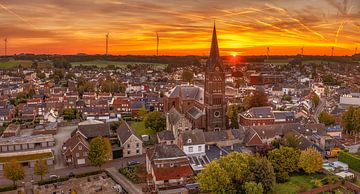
189, 141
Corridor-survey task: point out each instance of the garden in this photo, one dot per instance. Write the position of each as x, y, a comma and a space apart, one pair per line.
136, 173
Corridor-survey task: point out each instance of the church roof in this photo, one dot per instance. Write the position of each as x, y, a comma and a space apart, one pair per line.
187, 92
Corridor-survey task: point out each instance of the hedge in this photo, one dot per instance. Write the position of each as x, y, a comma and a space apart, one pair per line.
8, 188
88, 174
352, 160
45, 182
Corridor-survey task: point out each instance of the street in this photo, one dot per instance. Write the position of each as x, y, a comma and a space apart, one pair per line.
63, 172
319, 109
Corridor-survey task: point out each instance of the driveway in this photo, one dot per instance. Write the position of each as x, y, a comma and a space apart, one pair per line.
125, 183
63, 134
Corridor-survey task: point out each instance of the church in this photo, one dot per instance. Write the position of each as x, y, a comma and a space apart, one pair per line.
189, 107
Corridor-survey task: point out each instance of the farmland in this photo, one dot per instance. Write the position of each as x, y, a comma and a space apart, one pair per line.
23, 63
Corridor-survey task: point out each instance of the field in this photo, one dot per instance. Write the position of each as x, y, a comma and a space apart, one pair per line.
317, 62
120, 64
23, 63
297, 183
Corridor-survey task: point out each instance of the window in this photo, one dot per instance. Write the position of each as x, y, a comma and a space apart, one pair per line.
189, 141
85, 154
129, 152
217, 114
199, 148
80, 147
137, 151
77, 155
191, 149
137, 145
171, 164
128, 145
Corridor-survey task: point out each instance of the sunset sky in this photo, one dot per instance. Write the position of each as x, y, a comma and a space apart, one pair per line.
244, 27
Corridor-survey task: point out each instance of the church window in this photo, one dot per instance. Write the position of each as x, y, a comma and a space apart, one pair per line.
217, 114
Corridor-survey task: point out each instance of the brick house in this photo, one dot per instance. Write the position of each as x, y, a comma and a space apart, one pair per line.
257, 116
167, 166
75, 151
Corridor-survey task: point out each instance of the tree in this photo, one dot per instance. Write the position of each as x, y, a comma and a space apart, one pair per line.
290, 139
155, 121
213, 178
263, 173
187, 76
284, 160
71, 114
59, 72
347, 119
142, 112
327, 118
258, 99
311, 161
253, 188
233, 113
100, 151
41, 168
34, 65
40, 75
316, 100
14, 171
230, 173
61, 63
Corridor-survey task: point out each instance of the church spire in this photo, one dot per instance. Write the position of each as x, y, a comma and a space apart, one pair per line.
214, 57
214, 52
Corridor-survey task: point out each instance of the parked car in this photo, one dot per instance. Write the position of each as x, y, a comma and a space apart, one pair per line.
132, 163
54, 176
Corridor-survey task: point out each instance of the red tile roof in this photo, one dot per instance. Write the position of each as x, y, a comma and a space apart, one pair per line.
172, 172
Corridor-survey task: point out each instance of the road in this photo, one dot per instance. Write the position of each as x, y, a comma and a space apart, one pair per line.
319, 109
63, 172
125, 183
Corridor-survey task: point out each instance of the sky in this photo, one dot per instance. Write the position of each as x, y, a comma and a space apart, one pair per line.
244, 27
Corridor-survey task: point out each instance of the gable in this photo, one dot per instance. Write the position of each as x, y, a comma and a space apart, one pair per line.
255, 140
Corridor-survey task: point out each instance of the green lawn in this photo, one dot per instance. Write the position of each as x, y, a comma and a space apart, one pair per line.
140, 129
121, 64
297, 183
23, 63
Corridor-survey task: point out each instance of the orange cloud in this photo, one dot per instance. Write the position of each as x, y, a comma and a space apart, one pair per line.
245, 27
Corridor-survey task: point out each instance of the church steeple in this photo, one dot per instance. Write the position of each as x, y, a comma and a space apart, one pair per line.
214, 89
214, 51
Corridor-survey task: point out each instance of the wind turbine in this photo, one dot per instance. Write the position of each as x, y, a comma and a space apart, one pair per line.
107, 44
157, 44
6, 41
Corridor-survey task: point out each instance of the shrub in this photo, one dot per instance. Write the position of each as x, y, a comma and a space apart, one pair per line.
352, 160
88, 174
8, 188
51, 181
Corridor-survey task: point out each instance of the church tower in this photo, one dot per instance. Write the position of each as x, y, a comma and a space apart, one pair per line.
214, 97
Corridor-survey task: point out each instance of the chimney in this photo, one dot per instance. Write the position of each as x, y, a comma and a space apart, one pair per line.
232, 147
220, 153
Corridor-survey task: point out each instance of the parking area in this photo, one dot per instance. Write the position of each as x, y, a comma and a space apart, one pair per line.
62, 135
91, 184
